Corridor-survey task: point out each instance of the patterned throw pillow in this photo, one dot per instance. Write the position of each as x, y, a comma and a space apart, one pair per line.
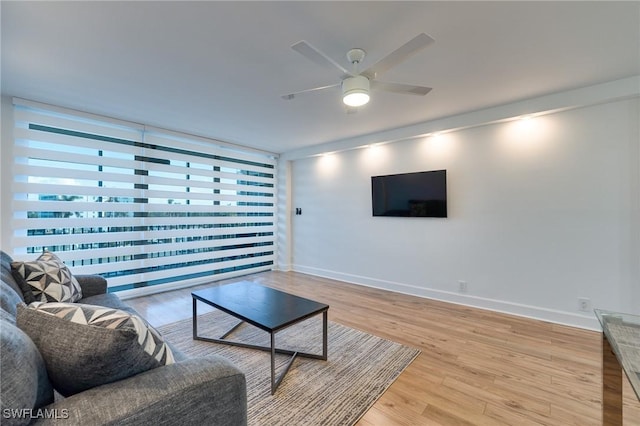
84, 346
47, 279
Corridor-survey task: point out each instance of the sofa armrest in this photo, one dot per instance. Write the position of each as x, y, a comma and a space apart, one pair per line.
208, 391
92, 285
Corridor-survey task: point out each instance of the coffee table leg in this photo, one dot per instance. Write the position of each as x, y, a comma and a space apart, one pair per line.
324, 335
273, 363
195, 319
275, 381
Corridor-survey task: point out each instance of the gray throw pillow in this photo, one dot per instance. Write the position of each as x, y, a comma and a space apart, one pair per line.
84, 346
46, 279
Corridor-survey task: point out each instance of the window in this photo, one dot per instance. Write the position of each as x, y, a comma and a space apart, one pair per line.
139, 206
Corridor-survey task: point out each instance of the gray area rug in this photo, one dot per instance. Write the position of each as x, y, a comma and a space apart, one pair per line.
360, 367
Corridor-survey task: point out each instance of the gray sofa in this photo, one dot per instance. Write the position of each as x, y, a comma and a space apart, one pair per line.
206, 390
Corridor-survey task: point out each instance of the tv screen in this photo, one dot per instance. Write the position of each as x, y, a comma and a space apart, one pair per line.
421, 194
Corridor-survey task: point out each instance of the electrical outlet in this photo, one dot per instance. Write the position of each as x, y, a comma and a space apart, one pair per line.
462, 286
584, 304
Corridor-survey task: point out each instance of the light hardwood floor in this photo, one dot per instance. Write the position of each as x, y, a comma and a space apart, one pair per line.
476, 367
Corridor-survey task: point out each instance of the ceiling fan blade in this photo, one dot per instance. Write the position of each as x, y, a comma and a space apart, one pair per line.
290, 96
402, 53
315, 55
408, 89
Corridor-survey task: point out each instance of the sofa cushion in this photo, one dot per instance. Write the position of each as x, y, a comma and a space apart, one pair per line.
47, 279
5, 273
6, 316
85, 346
9, 299
24, 383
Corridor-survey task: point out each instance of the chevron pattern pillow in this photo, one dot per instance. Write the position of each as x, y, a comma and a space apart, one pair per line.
84, 346
46, 279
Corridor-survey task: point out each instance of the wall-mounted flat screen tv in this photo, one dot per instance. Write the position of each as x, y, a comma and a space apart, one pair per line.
421, 194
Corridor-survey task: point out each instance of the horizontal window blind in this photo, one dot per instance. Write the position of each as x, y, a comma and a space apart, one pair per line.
141, 207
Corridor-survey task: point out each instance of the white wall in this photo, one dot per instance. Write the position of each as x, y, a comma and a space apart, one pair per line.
285, 214
541, 212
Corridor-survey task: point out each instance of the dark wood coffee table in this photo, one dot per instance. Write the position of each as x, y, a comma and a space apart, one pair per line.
263, 307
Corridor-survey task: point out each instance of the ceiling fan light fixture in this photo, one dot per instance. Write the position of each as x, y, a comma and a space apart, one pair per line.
355, 91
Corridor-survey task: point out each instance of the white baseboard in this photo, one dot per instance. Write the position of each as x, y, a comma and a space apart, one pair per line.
534, 312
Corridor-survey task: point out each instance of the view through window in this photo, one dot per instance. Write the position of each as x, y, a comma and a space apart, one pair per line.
139, 206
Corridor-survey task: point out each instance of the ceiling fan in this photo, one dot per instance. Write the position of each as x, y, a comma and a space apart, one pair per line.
357, 85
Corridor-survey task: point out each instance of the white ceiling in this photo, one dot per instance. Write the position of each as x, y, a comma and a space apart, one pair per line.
217, 69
